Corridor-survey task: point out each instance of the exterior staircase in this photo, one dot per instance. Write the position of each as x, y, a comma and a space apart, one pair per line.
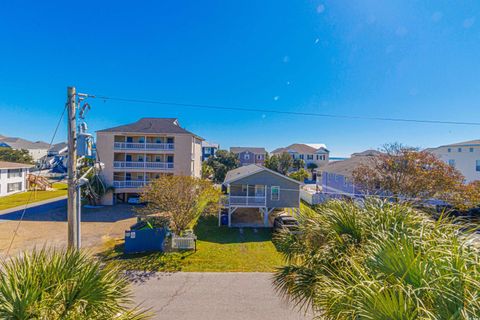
35, 182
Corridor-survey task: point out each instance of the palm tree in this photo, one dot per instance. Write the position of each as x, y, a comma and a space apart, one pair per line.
379, 261
51, 284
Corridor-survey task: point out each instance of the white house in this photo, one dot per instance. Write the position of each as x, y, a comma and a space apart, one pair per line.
464, 156
13, 177
37, 149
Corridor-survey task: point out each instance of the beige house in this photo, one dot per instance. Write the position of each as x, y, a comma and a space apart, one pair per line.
136, 153
310, 153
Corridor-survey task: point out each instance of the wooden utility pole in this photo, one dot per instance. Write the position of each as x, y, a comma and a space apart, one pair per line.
73, 223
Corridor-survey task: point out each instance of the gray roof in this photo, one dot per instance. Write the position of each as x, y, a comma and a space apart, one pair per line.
58, 146
13, 165
255, 150
249, 170
470, 143
19, 143
210, 144
347, 166
151, 126
300, 148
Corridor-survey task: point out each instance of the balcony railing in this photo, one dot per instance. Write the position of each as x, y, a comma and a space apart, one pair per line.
142, 165
143, 146
129, 184
250, 201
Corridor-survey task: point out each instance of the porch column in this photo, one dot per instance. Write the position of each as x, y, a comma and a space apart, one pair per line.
229, 216
265, 217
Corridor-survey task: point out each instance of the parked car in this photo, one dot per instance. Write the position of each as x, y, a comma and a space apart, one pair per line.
285, 222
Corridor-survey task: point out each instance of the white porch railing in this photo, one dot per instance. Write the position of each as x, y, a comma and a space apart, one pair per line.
129, 184
143, 164
143, 146
249, 201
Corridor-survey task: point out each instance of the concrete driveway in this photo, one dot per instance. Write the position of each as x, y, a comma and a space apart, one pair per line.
212, 296
45, 224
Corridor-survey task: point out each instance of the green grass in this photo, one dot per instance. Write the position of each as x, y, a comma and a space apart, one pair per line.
219, 249
20, 199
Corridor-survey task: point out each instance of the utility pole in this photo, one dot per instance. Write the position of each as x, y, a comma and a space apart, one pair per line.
73, 223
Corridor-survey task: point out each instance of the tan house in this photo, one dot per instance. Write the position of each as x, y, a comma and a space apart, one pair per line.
310, 153
136, 153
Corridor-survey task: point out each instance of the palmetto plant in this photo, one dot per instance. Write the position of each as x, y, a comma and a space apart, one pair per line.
51, 284
379, 260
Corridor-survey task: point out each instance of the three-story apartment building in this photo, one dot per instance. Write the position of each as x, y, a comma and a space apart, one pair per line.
464, 156
137, 153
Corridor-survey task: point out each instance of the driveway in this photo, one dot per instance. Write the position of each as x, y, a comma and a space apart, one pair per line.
46, 224
212, 296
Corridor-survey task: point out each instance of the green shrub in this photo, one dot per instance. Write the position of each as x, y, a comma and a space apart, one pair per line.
50, 284
380, 261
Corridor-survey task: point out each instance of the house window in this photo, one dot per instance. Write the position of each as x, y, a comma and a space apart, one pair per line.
208, 150
12, 187
459, 149
451, 162
259, 157
471, 149
246, 156
14, 173
309, 156
245, 188
275, 193
301, 156
449, 150
477, 165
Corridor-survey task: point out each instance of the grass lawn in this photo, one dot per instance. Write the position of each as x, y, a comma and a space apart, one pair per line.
219, 249
20, 199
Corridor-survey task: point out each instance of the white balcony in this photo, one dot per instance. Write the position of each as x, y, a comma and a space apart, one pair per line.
143, 165
143, 146
129, 184
250, 201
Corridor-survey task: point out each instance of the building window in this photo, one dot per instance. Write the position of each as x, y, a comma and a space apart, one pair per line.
208, 150
471, 149
459, 149
12, 187
14, 173
449, 150
275, 193
246, 156
245, 188
477, 165
309, 156
301, 156
451, 162
259, 157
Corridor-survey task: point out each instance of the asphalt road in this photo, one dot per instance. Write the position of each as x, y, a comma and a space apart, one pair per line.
212, 296
33, 208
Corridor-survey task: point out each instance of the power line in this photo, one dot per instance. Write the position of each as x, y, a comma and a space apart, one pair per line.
296, 113
37, 176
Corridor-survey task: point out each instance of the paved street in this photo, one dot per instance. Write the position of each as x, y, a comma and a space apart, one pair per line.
212, 296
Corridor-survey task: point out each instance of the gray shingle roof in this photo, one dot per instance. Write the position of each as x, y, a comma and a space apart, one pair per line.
347, 166
255, 150
464, 143
19, 143
13, 165
300, 148
246, 171
151, 125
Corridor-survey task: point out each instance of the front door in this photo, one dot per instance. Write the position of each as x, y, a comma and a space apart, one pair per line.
259, 190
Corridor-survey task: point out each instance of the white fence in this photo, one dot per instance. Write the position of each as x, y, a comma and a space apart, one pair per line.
187, 242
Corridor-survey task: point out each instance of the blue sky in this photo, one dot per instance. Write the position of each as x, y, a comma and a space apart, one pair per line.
409, 59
